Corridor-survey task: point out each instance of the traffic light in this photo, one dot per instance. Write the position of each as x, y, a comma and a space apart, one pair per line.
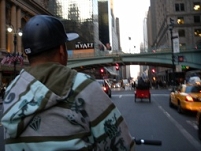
183, 67
117, 66
180, 58
153, 70
102, 70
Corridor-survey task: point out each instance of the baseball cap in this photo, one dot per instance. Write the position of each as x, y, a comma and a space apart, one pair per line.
43, 32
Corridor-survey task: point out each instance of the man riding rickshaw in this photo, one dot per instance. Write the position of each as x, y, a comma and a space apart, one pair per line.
142, 88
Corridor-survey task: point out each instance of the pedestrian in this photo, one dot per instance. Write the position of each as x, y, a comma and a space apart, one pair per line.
134, 85
49, 106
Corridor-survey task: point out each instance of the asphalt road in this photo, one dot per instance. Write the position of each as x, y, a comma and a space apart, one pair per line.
153, 121
157, 121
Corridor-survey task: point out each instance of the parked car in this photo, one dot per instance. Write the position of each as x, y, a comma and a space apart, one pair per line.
186, 97
198, 117
105, 86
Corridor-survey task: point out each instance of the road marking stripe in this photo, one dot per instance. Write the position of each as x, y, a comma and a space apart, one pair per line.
189, 137
193, 124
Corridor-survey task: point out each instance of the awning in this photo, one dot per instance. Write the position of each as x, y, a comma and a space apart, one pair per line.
111, 71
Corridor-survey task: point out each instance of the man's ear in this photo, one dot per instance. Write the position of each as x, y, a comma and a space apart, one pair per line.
63, 55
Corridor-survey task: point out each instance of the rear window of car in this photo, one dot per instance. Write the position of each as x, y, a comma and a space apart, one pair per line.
193, 89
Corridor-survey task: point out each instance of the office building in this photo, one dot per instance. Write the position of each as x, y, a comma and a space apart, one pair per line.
15, 14
186, 17
94, 21
81, 16
183, 18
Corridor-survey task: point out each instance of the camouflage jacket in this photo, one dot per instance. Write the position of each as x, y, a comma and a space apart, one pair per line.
51, 107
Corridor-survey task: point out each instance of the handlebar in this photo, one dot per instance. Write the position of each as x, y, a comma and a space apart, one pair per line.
147, 142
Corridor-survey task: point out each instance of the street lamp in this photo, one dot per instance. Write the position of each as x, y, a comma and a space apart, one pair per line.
15, 33
171, 26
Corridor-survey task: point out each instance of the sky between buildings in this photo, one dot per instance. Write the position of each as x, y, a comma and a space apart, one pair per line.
131, 14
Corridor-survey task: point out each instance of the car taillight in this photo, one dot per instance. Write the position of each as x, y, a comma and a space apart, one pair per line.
189, 98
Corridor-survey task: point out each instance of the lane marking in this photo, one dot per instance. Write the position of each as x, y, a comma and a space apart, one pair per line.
189, 137
193, 124
122, 95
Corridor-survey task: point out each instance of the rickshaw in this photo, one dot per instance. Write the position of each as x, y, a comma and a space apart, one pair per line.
142, 94
142, 90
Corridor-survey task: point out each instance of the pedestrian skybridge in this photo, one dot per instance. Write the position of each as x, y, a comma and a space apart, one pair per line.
191, 58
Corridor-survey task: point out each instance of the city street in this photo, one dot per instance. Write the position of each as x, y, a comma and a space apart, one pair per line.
123, 45
157, 121
153, 121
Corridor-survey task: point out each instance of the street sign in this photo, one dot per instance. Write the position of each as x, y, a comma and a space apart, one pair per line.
175, 38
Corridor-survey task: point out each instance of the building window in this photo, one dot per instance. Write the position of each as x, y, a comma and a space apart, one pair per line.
197, 32
180, 20
196, 19
181, 32
179, 7
197, 6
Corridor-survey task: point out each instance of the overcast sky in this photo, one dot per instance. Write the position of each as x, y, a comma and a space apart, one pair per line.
131, 14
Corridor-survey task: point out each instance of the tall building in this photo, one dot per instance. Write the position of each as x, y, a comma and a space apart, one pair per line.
108, 25
145, 36
109, 30
186, 16
182, 17
79, 16
15, 14
144, 45
93, 20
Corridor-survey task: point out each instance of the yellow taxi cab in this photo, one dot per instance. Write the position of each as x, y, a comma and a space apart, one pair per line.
198, 117
186, 97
